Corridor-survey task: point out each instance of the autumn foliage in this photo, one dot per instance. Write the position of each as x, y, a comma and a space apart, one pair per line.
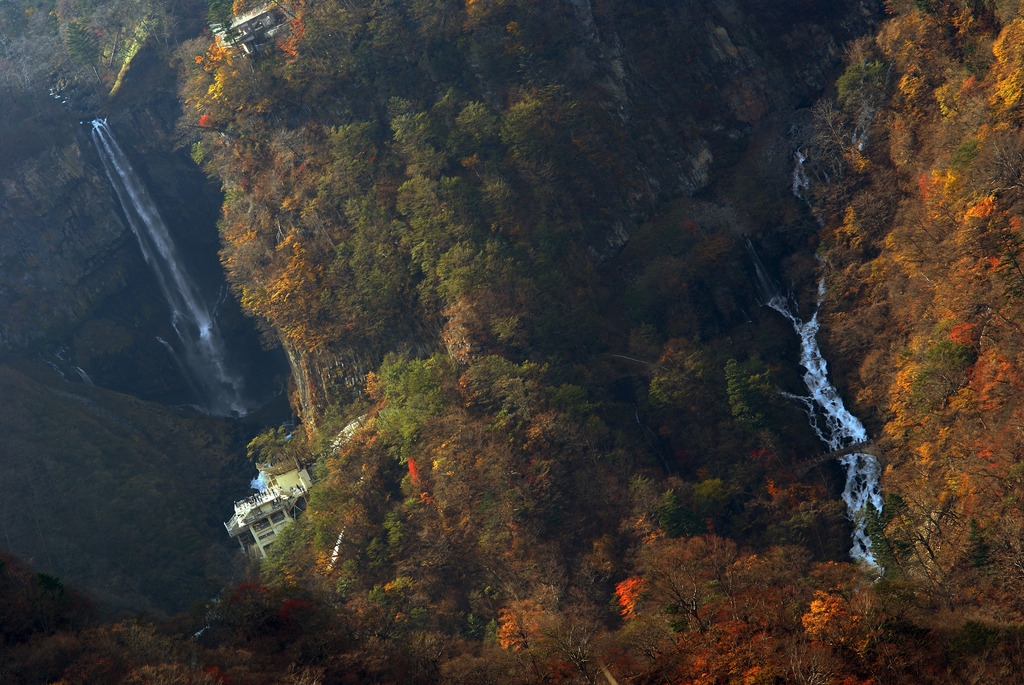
572, 461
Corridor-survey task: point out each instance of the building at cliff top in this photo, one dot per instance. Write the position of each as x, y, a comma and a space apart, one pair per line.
259, 519
254, 31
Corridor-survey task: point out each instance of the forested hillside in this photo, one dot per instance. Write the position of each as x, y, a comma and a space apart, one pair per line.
505, 242
434, 173
923, 247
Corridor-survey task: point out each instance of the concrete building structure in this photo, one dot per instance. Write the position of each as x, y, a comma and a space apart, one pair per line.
254, 31
259, 519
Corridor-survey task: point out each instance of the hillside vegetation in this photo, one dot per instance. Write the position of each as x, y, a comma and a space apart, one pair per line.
923, 248
509, 238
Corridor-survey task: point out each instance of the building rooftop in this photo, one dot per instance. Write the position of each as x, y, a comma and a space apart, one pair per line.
248, 16
259, 505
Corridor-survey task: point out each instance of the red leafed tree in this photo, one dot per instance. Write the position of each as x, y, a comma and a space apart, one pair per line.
628, 593
414, 473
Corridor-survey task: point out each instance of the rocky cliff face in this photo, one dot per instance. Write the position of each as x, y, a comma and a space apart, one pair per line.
62, 247
691, 81
135, 490
72, 274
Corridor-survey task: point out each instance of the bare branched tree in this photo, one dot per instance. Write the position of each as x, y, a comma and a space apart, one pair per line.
832, 134
1002, 164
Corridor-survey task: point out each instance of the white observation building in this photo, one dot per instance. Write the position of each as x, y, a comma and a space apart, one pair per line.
259, 519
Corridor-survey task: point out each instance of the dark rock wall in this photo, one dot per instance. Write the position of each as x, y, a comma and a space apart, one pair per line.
62, 245
692, 79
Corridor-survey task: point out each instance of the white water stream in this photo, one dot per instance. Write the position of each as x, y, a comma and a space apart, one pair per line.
800, 180
829, 418
204, 353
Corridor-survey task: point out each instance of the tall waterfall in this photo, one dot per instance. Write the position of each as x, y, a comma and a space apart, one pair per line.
203, 350
830, 419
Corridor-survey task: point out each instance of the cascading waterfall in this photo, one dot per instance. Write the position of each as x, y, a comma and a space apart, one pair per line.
829, 418
860, 131
800, 180
203, 349
84, 376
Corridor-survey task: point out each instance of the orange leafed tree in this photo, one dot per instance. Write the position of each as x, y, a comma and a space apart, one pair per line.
289, 43
520, 624
1008, 69
830, 620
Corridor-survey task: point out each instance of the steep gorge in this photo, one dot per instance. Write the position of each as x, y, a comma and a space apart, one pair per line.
659, 128
134, 490
511, 236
